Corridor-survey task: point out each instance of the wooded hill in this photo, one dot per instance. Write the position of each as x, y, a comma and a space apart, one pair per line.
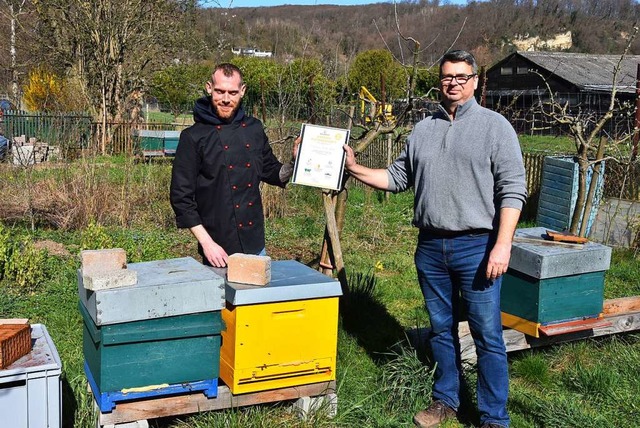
487, 28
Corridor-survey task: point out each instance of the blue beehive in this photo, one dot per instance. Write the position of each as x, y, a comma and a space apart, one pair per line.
559, 192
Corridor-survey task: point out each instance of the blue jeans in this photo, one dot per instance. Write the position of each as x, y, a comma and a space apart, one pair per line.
451, 272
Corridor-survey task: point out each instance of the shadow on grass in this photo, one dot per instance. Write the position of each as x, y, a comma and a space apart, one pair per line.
367, 319
69, 404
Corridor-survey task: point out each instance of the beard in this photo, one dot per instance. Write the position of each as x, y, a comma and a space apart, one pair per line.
226, 116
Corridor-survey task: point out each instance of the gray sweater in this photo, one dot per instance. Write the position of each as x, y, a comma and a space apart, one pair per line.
462, 171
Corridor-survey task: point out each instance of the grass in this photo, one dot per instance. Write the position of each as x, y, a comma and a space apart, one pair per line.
546, 143
381, 380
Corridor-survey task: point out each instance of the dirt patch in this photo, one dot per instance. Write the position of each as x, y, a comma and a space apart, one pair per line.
52, 247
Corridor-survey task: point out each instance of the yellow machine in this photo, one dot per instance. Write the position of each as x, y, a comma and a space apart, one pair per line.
372, 110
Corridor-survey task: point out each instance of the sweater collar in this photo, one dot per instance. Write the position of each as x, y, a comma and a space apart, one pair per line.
462, 110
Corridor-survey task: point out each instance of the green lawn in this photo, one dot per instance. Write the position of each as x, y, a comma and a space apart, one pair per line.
546, 144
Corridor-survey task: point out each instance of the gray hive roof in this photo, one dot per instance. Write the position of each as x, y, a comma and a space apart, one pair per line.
589, 72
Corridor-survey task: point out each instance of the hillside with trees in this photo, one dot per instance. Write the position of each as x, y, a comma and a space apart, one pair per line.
106, 56
487, 28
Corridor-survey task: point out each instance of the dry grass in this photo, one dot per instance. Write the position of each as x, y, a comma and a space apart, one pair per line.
70, 196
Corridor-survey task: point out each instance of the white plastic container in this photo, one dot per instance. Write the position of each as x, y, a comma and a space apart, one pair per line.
30, 389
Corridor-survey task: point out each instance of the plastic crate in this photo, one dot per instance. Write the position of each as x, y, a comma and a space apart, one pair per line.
30, 389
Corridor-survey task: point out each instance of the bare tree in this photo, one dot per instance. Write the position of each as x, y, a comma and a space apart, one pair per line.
14, 10
335, 202
108, 46
586, 129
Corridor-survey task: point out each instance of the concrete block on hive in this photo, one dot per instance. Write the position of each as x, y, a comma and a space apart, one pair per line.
249, 269
103, 280
103, 260
105, 269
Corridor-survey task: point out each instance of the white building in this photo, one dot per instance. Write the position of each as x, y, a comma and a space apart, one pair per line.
251, 52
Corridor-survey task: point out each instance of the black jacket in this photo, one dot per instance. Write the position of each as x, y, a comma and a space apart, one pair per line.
216, 178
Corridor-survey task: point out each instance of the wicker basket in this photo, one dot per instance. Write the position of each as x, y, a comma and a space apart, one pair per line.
15, 341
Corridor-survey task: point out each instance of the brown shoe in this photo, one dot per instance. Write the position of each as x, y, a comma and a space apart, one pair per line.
436, 413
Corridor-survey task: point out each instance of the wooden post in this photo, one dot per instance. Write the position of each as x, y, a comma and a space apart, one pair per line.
339, 206
334, 237
389, 153
383, 94
483, 87
312, 101
264, 104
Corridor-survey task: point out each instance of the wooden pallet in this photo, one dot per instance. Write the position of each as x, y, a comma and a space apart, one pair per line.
140, 410
622, 316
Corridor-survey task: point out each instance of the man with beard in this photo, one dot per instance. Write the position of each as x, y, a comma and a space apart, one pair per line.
219, 164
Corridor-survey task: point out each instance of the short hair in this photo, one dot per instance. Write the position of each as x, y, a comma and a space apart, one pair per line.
228, 70
460, 56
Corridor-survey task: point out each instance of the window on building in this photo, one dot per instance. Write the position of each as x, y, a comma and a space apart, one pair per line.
505, 71
522, 70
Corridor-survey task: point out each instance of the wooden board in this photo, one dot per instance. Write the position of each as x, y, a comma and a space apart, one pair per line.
540, 241
564, 237
620, 322
621, 306
573, 326
198, 402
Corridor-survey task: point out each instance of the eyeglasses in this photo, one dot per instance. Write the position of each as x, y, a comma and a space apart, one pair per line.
460, 78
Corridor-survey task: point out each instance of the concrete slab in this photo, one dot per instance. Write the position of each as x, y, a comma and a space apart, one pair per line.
617, 223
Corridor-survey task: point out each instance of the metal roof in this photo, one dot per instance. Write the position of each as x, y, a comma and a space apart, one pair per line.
590, 72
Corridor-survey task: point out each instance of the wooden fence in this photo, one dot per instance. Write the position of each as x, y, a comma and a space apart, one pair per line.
120, 137
77, 131
73, 132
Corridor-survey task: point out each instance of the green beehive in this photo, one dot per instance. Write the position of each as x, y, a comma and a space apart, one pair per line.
549, 284
171, 139
151, 142
552, 300
170, 350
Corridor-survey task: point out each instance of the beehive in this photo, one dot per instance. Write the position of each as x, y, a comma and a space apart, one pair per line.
548, 284
283, 334
150, 338
153, 352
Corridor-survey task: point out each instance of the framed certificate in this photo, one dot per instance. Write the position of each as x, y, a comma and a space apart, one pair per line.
320, 160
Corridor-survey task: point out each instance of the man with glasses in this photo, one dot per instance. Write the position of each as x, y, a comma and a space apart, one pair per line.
465, 166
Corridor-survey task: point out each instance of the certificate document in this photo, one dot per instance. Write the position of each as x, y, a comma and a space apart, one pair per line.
320, 160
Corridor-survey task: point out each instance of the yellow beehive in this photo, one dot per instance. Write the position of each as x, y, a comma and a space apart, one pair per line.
280, 344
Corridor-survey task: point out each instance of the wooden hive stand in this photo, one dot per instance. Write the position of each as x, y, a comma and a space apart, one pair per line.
134, 414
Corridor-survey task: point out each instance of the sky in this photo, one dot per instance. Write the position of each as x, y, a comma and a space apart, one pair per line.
255, 3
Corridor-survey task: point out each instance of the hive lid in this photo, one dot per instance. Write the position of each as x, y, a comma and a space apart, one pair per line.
546, 260
290, 280
165, 288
